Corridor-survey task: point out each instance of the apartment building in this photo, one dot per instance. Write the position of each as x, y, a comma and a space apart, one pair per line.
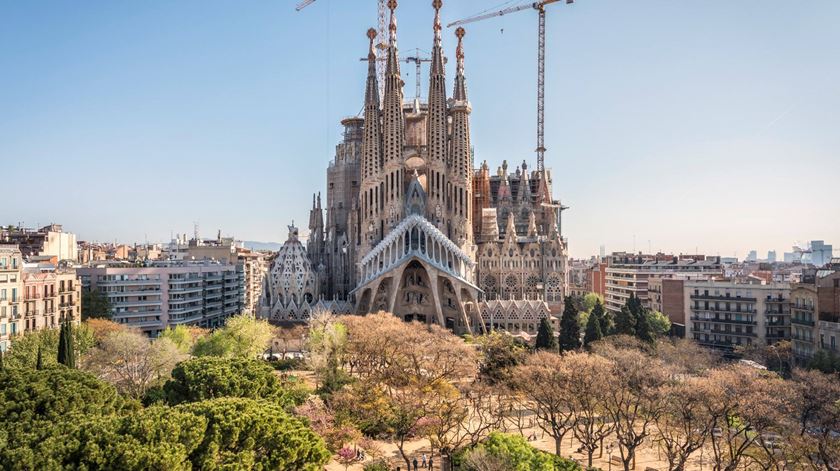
11, 293
50, 296
49, 241
162, 294
815, 308
724, 314
628, 274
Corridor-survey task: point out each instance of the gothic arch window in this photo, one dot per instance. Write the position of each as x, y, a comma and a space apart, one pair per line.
489, 286
554, 289
511, 287
532, 286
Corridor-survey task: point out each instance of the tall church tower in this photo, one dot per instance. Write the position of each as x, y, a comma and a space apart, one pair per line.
390, 202
370, 191
437, 162
461, 161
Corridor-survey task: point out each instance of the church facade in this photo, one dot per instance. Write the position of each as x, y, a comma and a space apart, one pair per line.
411, 226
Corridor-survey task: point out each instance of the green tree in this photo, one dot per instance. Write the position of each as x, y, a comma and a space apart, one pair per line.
242, 336
602, 316
518, 455
249, 434
181, 336
53, 394
625, 320
24, 349
593, 330
659, 323
644, 331
499, 353
590, 300
95, 305
569, 328
545, 336
39, 364
212, 377
825, 361
66, 345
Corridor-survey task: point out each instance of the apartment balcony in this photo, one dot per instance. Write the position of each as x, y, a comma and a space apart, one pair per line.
724, 332
798, 321
126, 283
801, 338
181, 281
192, 289
775, 336
807, 309
779, 323
722, 321
770, 312
213, 278
191, 319
134, 314
713, 297
138, 303
146, 324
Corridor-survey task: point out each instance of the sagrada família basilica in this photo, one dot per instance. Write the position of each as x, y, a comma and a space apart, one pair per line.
411, 226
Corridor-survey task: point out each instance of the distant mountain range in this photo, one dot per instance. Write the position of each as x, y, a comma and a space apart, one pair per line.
254, 245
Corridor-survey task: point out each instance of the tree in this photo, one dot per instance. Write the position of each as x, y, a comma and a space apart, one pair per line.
825, 361
816, 410
100, 328
66, 345
684, 425
588, 378
53, 394
633, 400
323, 421
251, 434
39, 364
24, 349
569, 328
625, 321
593, 330
499, 353
213, 377
512, 452
95, 305
544, 382
602, 316
242, 336
327, 343
590, 300
182, 336
643, 328
659, 323
132, 362
545, 336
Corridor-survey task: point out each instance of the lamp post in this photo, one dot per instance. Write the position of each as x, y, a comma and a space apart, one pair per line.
609, 455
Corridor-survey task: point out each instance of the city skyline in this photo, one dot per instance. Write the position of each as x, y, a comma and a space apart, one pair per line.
226, 120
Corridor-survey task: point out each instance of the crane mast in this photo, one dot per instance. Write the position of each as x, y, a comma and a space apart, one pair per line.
540, 7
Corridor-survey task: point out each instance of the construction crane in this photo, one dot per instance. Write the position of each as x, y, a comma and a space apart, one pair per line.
381, 42
540, 7
417, 61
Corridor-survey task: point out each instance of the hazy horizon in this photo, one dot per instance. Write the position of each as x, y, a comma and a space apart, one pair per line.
709, 127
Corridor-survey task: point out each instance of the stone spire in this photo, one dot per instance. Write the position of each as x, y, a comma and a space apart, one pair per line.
460, 83
437, 96
389, 194
371, 151
371, 157
524, 194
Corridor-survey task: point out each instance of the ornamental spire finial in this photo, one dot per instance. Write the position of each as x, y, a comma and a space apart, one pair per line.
459, 52
437, 4
392, 28
371, 34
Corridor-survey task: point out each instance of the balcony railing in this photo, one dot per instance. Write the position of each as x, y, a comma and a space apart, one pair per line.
796, 320
714, 297
724, 321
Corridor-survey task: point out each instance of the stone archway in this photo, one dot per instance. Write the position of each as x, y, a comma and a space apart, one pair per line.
382, 298
415, 296
364, 302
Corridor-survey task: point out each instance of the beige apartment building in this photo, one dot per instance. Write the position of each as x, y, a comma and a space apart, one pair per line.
725, 314
628, 274
50, 296
162, 294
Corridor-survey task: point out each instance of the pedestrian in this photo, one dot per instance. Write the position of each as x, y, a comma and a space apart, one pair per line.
431, 465
415, 463
423, 461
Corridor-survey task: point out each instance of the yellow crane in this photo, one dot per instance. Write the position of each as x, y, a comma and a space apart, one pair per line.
540, 7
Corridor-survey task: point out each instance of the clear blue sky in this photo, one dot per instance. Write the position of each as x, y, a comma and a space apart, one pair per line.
707, 124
